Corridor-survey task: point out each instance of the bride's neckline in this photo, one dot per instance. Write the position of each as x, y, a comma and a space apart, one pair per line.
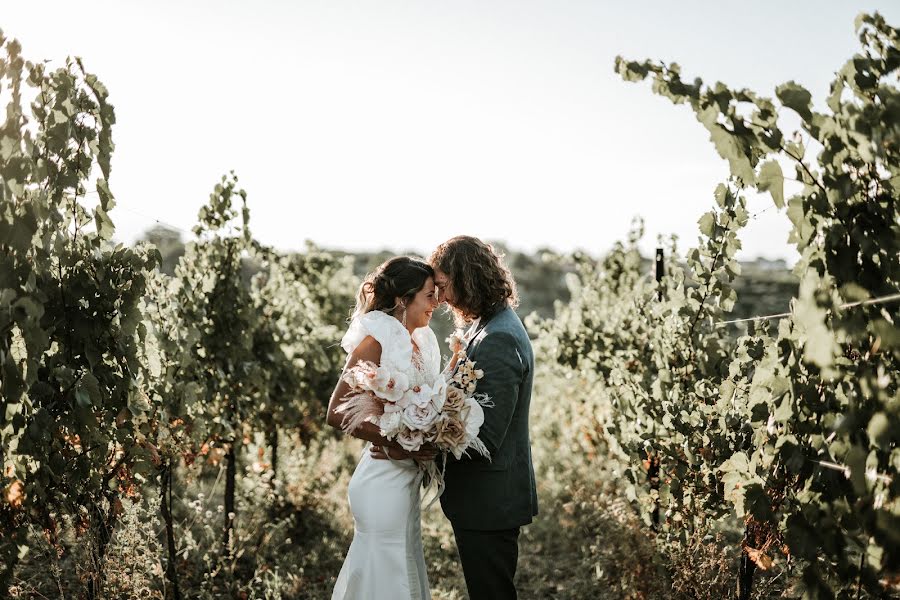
417, 352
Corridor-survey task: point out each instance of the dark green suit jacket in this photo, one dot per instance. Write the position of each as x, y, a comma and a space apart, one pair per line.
500, 493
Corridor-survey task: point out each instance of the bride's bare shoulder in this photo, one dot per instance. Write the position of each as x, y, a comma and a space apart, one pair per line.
368, 349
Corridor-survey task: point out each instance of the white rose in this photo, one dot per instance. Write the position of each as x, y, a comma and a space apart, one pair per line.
410, 440
389, 423
420, 418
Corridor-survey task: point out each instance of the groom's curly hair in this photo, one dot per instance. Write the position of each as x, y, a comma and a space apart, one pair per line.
482, 283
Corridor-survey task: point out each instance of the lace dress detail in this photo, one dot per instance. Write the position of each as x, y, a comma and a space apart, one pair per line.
386, 560
418, 363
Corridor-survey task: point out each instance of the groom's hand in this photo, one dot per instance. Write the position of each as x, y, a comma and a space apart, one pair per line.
426, 452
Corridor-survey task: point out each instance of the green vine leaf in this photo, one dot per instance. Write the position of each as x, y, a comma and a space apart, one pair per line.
771, 179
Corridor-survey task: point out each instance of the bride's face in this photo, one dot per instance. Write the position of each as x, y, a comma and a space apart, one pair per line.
445, 290
421, 307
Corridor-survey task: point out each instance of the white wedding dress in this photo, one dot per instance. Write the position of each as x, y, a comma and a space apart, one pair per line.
386, 560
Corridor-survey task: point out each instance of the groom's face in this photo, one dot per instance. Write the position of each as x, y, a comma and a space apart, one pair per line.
445, 288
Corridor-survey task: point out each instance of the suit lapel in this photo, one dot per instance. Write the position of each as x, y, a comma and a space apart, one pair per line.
481, 325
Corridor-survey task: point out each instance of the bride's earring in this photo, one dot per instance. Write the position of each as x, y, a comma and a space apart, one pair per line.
403, 318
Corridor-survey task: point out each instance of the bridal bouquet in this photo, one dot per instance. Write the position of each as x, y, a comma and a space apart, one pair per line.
448, 414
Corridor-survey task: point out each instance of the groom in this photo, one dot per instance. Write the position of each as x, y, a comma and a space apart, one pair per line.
488, 501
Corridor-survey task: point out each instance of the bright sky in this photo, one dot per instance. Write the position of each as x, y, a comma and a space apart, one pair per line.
397, 124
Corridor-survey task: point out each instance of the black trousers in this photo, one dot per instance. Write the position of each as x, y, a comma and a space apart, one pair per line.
489, 562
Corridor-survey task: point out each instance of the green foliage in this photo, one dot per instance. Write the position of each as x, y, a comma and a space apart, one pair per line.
116, 377
793, 431
295, 340
212, 296
113, 373
68, 335
168, 242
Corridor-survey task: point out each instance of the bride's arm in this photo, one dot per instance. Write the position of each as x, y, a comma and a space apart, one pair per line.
369, 349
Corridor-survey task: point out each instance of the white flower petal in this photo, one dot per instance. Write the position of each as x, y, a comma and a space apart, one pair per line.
474, 417
390, 424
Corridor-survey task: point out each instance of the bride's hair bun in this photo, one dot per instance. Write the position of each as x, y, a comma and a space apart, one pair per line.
382, 285
399, 277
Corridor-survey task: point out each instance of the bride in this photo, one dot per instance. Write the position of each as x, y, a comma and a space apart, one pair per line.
389, 328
